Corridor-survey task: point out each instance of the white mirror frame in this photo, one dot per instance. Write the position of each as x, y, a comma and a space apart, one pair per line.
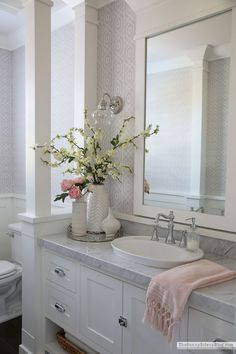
156, 19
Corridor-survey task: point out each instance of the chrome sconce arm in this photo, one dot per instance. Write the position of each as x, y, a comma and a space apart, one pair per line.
115, 103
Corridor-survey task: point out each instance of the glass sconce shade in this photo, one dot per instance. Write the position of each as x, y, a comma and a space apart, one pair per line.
107, 107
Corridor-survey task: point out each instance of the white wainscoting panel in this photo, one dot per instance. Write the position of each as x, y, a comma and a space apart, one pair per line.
10, 206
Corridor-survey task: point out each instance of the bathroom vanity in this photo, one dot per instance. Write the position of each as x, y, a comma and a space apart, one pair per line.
98, 297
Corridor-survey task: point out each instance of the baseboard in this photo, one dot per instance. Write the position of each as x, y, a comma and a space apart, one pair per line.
24, 350
28, 342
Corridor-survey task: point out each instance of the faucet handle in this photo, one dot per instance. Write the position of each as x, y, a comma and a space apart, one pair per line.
183, 241
156, 220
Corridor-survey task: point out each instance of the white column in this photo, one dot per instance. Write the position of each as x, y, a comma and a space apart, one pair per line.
38, 104
198, 137
86, 23
199, 123
38, 177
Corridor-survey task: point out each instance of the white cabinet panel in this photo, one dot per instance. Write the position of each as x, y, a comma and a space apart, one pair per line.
60, 307
60, 271
204, 327
139, 338
100, 308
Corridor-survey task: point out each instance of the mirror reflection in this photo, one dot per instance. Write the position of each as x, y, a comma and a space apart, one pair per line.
187, 94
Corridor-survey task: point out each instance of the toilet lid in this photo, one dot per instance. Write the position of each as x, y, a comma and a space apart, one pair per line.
7, 268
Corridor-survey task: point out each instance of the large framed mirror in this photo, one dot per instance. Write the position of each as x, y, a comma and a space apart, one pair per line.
187, 95
187, 78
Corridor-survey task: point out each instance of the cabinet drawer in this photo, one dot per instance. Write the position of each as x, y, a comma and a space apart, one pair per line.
60, 271
60, 307
207, 328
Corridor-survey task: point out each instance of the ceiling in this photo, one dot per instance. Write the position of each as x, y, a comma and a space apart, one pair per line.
12, 18
10, 22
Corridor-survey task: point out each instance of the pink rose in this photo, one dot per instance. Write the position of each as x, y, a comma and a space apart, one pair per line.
79, 180
66, 184
74, 193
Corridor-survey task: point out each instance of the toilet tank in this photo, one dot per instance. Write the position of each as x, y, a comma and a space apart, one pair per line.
14, 232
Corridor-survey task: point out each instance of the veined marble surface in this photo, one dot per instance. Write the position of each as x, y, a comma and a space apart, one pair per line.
218, 300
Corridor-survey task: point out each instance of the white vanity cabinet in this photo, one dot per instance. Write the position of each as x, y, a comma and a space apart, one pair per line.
104, 302
106, 313
139, 338
100, 307
205, 328
103, 312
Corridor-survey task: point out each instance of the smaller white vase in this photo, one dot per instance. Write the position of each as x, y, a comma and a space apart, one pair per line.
79, 217
110, 224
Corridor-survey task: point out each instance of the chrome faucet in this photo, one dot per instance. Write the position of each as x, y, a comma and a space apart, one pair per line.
170, 235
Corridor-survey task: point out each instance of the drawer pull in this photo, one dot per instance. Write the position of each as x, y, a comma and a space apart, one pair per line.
59, 307
226, 351
123, 321
60, 272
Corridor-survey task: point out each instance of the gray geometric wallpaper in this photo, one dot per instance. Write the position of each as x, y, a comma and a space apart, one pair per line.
6, 156
18, 119
217, 124
116, 75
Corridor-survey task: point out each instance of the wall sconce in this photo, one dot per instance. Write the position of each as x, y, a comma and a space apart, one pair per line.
107, 107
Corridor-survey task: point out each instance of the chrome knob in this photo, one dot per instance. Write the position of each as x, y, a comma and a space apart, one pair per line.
123, 321
60, 272
59, 307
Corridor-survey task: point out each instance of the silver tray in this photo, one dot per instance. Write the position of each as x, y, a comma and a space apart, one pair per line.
92, 237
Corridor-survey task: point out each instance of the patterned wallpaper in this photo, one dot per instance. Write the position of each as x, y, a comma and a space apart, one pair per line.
6, 156
18, 118
116, 75
217, 124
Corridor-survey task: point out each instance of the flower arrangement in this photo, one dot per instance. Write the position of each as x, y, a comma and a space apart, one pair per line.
89, 161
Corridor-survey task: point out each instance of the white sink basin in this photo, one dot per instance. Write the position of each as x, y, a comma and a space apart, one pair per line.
153, 253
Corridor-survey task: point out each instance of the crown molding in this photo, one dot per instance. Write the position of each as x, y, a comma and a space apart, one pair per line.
16, 39
46, 2
60, 18
97, 4
11, 6
140, 5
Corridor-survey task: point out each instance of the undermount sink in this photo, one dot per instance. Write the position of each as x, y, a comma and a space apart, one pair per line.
154, 253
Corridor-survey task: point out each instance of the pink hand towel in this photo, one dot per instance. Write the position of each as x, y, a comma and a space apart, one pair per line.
169, 291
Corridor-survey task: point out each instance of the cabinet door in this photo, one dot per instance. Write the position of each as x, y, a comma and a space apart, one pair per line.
206, 328
100, 308
139, 338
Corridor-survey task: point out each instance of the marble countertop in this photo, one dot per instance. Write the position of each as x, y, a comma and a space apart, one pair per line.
218, 300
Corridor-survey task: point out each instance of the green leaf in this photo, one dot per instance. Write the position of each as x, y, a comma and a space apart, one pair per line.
61, 197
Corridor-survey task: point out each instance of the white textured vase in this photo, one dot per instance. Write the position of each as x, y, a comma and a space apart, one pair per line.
110, 224
79, 217
98, 205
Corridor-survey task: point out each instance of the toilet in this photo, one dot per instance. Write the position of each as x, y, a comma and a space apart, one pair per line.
10, 277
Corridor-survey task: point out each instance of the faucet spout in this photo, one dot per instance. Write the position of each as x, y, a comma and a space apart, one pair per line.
170, 235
